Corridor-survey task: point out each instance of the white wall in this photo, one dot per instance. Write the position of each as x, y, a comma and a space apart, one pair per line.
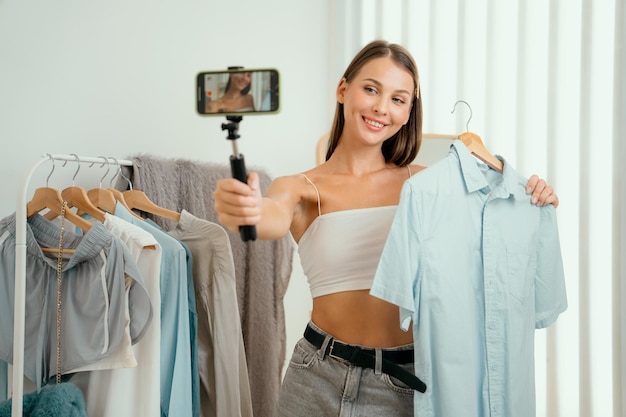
116, 78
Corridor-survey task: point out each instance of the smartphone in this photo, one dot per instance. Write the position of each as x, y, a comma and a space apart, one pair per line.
237, 92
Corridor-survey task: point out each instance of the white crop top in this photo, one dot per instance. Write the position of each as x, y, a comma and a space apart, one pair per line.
340, 250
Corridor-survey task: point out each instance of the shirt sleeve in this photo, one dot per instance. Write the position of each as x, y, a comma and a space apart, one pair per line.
139, 303
396, 279
550, 293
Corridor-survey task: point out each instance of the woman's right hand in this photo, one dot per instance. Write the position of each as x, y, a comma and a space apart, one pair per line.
238, 203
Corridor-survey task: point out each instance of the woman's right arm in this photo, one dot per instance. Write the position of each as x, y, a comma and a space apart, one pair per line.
240, 204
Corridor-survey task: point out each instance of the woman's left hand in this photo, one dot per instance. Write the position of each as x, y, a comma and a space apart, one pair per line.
542, 193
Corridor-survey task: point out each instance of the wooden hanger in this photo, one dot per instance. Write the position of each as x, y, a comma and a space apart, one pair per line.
475, 145
471, 140
103, 198
117, 194
135, 199
119, 197
77, 197
139, 200
51, 199
322, 143
107, 198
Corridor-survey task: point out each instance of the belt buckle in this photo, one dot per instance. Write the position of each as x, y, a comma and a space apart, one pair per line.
331, 347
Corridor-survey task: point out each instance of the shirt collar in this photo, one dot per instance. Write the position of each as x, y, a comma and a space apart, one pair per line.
512, 183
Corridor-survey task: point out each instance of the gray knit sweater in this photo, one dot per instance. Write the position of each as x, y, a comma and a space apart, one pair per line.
262, 268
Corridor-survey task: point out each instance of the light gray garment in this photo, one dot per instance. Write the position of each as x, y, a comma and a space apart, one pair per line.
225, 389
93, 297
262, 267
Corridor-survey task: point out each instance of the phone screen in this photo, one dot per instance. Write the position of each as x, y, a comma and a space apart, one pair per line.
237, 92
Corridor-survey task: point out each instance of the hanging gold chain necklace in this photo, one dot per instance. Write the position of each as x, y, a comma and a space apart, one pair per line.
59, 273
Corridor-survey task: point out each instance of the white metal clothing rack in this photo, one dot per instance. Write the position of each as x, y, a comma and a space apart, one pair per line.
20, 270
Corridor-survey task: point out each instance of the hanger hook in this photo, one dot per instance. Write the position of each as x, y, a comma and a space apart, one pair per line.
106, 161
52, 170
119, 171
77, 167
470, 109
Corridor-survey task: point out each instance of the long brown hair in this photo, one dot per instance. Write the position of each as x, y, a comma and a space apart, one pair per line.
243, 92
401, 148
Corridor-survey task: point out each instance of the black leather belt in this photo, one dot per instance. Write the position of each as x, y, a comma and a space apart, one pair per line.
366, 358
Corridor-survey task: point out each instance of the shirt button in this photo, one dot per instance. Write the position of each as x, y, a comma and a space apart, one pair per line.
492, 325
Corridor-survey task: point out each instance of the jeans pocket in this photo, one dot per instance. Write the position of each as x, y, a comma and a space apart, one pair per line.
303, 356
397, 385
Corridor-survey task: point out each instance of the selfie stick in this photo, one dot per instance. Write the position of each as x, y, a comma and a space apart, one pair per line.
238, 167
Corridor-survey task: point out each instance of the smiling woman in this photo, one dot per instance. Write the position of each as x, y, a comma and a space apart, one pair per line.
353, 354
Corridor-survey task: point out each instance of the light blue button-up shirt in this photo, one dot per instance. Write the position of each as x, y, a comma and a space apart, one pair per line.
193, 323
477, 268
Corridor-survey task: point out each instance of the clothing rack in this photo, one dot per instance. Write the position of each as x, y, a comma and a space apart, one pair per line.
322, 142
20, 270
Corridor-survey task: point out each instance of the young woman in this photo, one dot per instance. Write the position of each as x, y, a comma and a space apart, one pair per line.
236, 96
354, 358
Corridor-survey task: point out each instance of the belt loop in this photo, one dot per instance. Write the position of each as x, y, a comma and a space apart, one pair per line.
324, 347
378, 367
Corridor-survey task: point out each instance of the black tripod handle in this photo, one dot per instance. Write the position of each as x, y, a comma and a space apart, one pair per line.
238, 169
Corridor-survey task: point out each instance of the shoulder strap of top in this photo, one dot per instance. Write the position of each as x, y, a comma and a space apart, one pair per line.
409, 168
319, 206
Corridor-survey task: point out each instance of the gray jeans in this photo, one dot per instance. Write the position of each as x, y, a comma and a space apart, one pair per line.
316, 386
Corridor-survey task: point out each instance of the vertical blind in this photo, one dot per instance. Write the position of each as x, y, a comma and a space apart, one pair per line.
545, 82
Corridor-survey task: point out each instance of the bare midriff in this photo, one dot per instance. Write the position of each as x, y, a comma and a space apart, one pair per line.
356, 317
